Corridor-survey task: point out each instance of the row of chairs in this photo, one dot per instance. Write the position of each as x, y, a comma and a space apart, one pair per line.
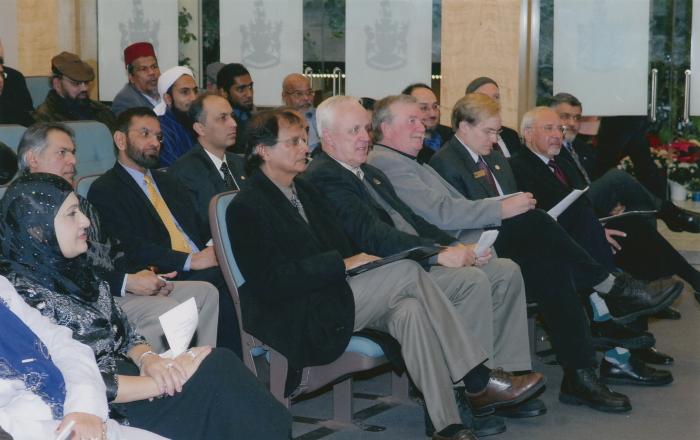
94, 146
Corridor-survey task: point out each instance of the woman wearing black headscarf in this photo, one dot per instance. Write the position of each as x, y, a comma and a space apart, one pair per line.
43, 237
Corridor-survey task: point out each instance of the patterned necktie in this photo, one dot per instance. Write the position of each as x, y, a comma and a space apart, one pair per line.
577, 161
228, 178
178, 242
481, 163
558, 173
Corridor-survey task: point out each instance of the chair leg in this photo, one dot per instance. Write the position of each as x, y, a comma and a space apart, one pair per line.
399, 386
342, 401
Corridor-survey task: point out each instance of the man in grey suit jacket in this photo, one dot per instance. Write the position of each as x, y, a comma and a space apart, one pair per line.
142, 88
208, 169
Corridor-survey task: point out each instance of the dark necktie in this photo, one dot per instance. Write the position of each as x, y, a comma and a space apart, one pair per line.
577, 161
558, 173
228, 178
487, 173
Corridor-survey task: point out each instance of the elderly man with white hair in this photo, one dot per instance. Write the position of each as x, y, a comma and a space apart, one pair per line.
177, 89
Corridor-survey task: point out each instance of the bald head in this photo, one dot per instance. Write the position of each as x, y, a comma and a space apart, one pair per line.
297, 92
542, 131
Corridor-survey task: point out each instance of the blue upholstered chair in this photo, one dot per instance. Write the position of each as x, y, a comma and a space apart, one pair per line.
362, 354
10, 135
94, 147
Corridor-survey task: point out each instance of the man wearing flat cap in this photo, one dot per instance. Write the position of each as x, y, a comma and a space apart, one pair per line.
142, 89
177, 89
68, 99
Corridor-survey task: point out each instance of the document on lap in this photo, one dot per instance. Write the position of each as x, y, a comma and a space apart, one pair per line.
504, 196
179, 325
650, 213
570, 198
486, 240
416, 253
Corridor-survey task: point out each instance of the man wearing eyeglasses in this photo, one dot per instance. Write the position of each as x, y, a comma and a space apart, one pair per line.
297, 93
68, 99
436, 134
615, 191
207, 168
142, 88
236, 85
154, 218
15, 101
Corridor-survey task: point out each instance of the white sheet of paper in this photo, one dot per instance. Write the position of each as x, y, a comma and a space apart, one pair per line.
560, 207
504, 196
179, 325
486, 240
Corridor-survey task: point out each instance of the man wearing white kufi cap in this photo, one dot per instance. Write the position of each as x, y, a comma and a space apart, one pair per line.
177, 89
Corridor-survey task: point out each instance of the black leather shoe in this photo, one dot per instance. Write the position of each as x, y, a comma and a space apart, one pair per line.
652, 356
455, 432
529, 408
678, 219
609, 334
582, 387
634, 372
480, 426
668, 313
630, 299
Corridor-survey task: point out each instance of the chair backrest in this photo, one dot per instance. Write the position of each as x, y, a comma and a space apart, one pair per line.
10, 134
82, 186
38, 87
94, 147
227, 262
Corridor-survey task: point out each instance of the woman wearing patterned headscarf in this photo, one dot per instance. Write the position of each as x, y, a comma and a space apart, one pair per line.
43, 238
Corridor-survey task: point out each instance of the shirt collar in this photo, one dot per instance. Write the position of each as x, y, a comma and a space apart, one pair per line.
542, 157
357, 171
395, 150
216, 160
135, 174
475, 157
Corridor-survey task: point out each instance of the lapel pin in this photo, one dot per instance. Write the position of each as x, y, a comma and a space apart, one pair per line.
498, 167
376, 181
242, 177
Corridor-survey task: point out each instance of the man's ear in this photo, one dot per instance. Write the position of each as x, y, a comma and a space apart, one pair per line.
30, 158
119, 140
198, 128
168, 100
223, 92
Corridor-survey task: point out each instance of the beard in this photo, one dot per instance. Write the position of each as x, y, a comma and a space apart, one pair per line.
184, 119
140, 158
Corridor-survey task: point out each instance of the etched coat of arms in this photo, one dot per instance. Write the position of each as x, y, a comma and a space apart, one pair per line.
138, 28
386, 44
260, 39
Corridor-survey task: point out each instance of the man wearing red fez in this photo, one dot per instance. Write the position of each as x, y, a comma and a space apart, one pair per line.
142, 88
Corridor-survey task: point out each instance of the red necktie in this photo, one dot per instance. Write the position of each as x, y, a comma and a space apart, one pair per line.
558, 173
487, 173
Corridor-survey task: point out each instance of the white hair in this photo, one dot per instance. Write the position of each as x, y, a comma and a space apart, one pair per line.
326, 111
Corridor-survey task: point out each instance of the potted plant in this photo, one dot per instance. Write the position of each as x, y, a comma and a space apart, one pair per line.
694, 189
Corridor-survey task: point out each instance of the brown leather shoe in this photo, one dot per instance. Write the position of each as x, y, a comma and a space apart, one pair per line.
505, 389
455, 432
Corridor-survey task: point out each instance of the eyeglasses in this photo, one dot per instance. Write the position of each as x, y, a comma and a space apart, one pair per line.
296, 141
76, 83
145, 133
153, 67
549, 128
301, 93
492, 132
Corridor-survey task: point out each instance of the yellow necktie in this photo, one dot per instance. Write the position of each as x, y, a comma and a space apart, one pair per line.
178, 242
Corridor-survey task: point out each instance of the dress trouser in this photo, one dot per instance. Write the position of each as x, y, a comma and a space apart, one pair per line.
143, 312
404, 301
617, 186
228, 334
490, 301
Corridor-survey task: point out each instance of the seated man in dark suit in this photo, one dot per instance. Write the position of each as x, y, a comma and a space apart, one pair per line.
16, 105
436, 134
550, 272
638, 247
297, 297
153, 217
508, 141
208, 169
468, 163
615, 191
49, 147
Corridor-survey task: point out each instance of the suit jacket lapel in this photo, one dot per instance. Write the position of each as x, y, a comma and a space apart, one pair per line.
471, 166
213, 174
131, 184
